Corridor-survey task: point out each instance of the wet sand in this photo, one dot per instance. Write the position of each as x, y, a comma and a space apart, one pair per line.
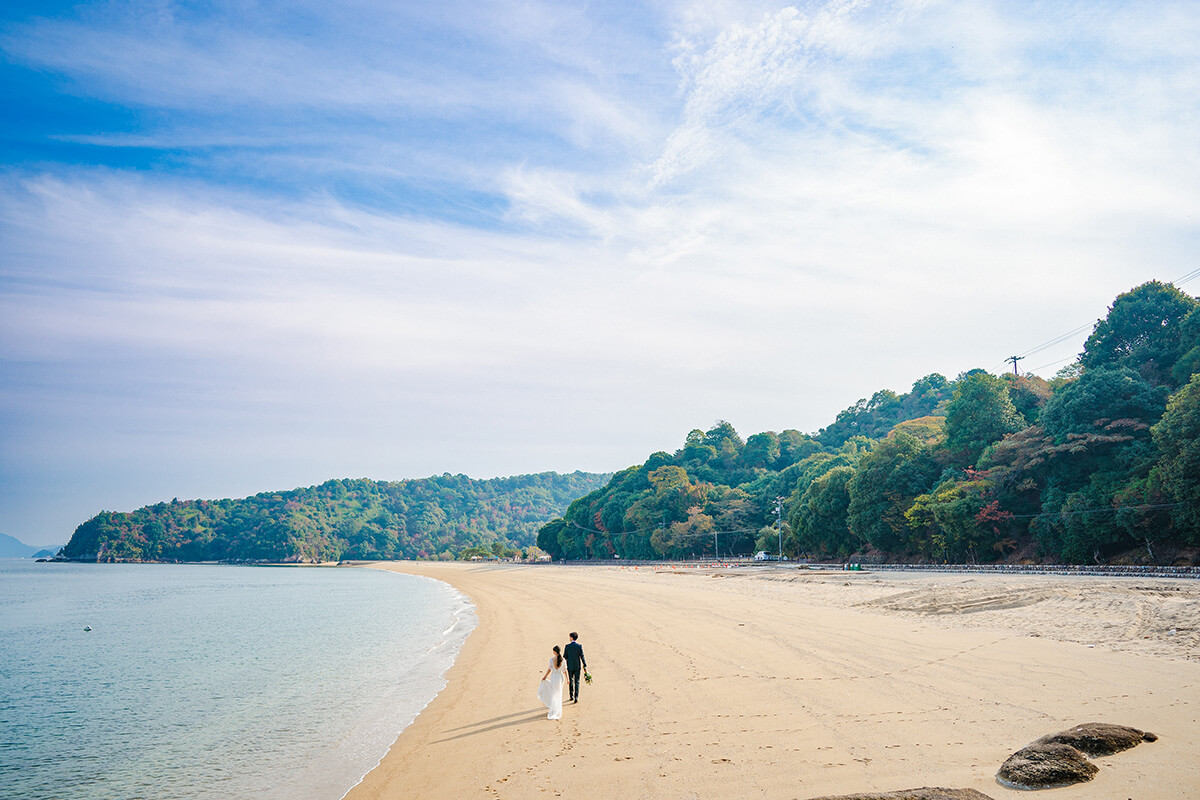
784, 683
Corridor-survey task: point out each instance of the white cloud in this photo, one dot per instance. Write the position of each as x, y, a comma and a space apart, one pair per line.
824, 203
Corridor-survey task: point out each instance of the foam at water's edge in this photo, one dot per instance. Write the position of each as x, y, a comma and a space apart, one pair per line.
437, 661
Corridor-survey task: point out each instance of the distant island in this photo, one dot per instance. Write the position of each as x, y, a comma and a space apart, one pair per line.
444, 517
15, 548
1100, 464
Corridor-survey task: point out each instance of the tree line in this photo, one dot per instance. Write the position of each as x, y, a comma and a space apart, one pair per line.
1101, 462
438, 517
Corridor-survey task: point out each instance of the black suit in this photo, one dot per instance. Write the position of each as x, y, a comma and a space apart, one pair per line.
573, 653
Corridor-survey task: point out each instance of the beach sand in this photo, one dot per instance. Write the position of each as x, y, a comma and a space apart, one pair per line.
778, 682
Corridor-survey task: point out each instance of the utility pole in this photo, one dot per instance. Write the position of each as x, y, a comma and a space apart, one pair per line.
779, 523
1015, 359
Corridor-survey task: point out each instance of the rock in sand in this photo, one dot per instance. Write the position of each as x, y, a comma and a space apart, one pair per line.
1061, 759
924, 793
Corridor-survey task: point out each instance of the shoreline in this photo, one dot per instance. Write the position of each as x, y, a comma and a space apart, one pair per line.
781, 684
463, 623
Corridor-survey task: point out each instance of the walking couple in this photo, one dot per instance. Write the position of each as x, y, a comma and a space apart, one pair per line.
565, 666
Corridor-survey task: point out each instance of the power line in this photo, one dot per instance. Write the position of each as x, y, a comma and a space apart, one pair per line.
655, 528
1072, 333
1052, 363
1145, 507
1190, 276
613, 533
1056, 340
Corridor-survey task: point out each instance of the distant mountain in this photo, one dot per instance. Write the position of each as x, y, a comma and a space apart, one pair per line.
14, 548
435, 517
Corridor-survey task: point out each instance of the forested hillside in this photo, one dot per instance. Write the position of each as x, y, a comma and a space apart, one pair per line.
437, 517
1101, 462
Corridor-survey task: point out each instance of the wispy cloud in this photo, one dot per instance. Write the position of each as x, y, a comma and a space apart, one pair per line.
399, 240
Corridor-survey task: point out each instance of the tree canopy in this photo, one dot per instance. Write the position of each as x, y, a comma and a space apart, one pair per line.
434, 517
1144, 330
978, 468
1100, 462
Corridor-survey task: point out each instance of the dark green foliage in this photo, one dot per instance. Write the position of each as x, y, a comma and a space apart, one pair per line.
1099, 397
1088, 463
980, 413
340, 519
1177, 473
888, 479
982, 468
1144, 331
820, 519
1188, 363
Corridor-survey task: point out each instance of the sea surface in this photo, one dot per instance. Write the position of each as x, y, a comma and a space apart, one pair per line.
272, 683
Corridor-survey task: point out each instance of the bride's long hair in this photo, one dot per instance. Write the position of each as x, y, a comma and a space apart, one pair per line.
557, 657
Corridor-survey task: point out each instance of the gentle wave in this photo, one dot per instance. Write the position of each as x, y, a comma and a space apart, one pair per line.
200, 681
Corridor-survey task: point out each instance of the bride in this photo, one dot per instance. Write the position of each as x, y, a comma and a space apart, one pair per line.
550, 689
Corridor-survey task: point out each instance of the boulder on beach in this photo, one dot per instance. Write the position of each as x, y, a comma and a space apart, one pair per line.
1061, 759
1044, 765
1099, 738
924, 793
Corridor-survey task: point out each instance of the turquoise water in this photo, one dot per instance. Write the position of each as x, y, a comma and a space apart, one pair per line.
212, 681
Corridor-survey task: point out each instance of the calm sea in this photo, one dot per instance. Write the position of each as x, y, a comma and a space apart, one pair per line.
271, 683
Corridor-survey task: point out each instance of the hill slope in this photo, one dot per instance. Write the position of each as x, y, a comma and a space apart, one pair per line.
15, 548
339, 519
1101, 463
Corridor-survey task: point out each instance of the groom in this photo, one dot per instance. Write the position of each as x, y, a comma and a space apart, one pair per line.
573, 653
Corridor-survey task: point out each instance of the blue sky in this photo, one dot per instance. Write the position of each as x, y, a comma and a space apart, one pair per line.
253, 245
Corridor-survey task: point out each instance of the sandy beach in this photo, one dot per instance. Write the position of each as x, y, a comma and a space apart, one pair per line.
785, 683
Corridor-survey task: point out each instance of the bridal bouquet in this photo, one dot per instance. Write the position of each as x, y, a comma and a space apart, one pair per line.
587, 677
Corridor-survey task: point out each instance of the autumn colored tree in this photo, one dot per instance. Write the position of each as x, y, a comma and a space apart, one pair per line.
1028, 394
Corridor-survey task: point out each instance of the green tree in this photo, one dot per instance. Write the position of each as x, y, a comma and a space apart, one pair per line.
547, 538
1142, 331
1177, 435
1188, 364
727, 443
820, 519
762, 450
794, 446
696, 449
952, 521
980, 413
1095, 462
1099, 397
873, 418
888, 479
671, 494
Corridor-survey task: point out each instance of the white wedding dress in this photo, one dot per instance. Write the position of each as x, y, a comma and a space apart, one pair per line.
550, 691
